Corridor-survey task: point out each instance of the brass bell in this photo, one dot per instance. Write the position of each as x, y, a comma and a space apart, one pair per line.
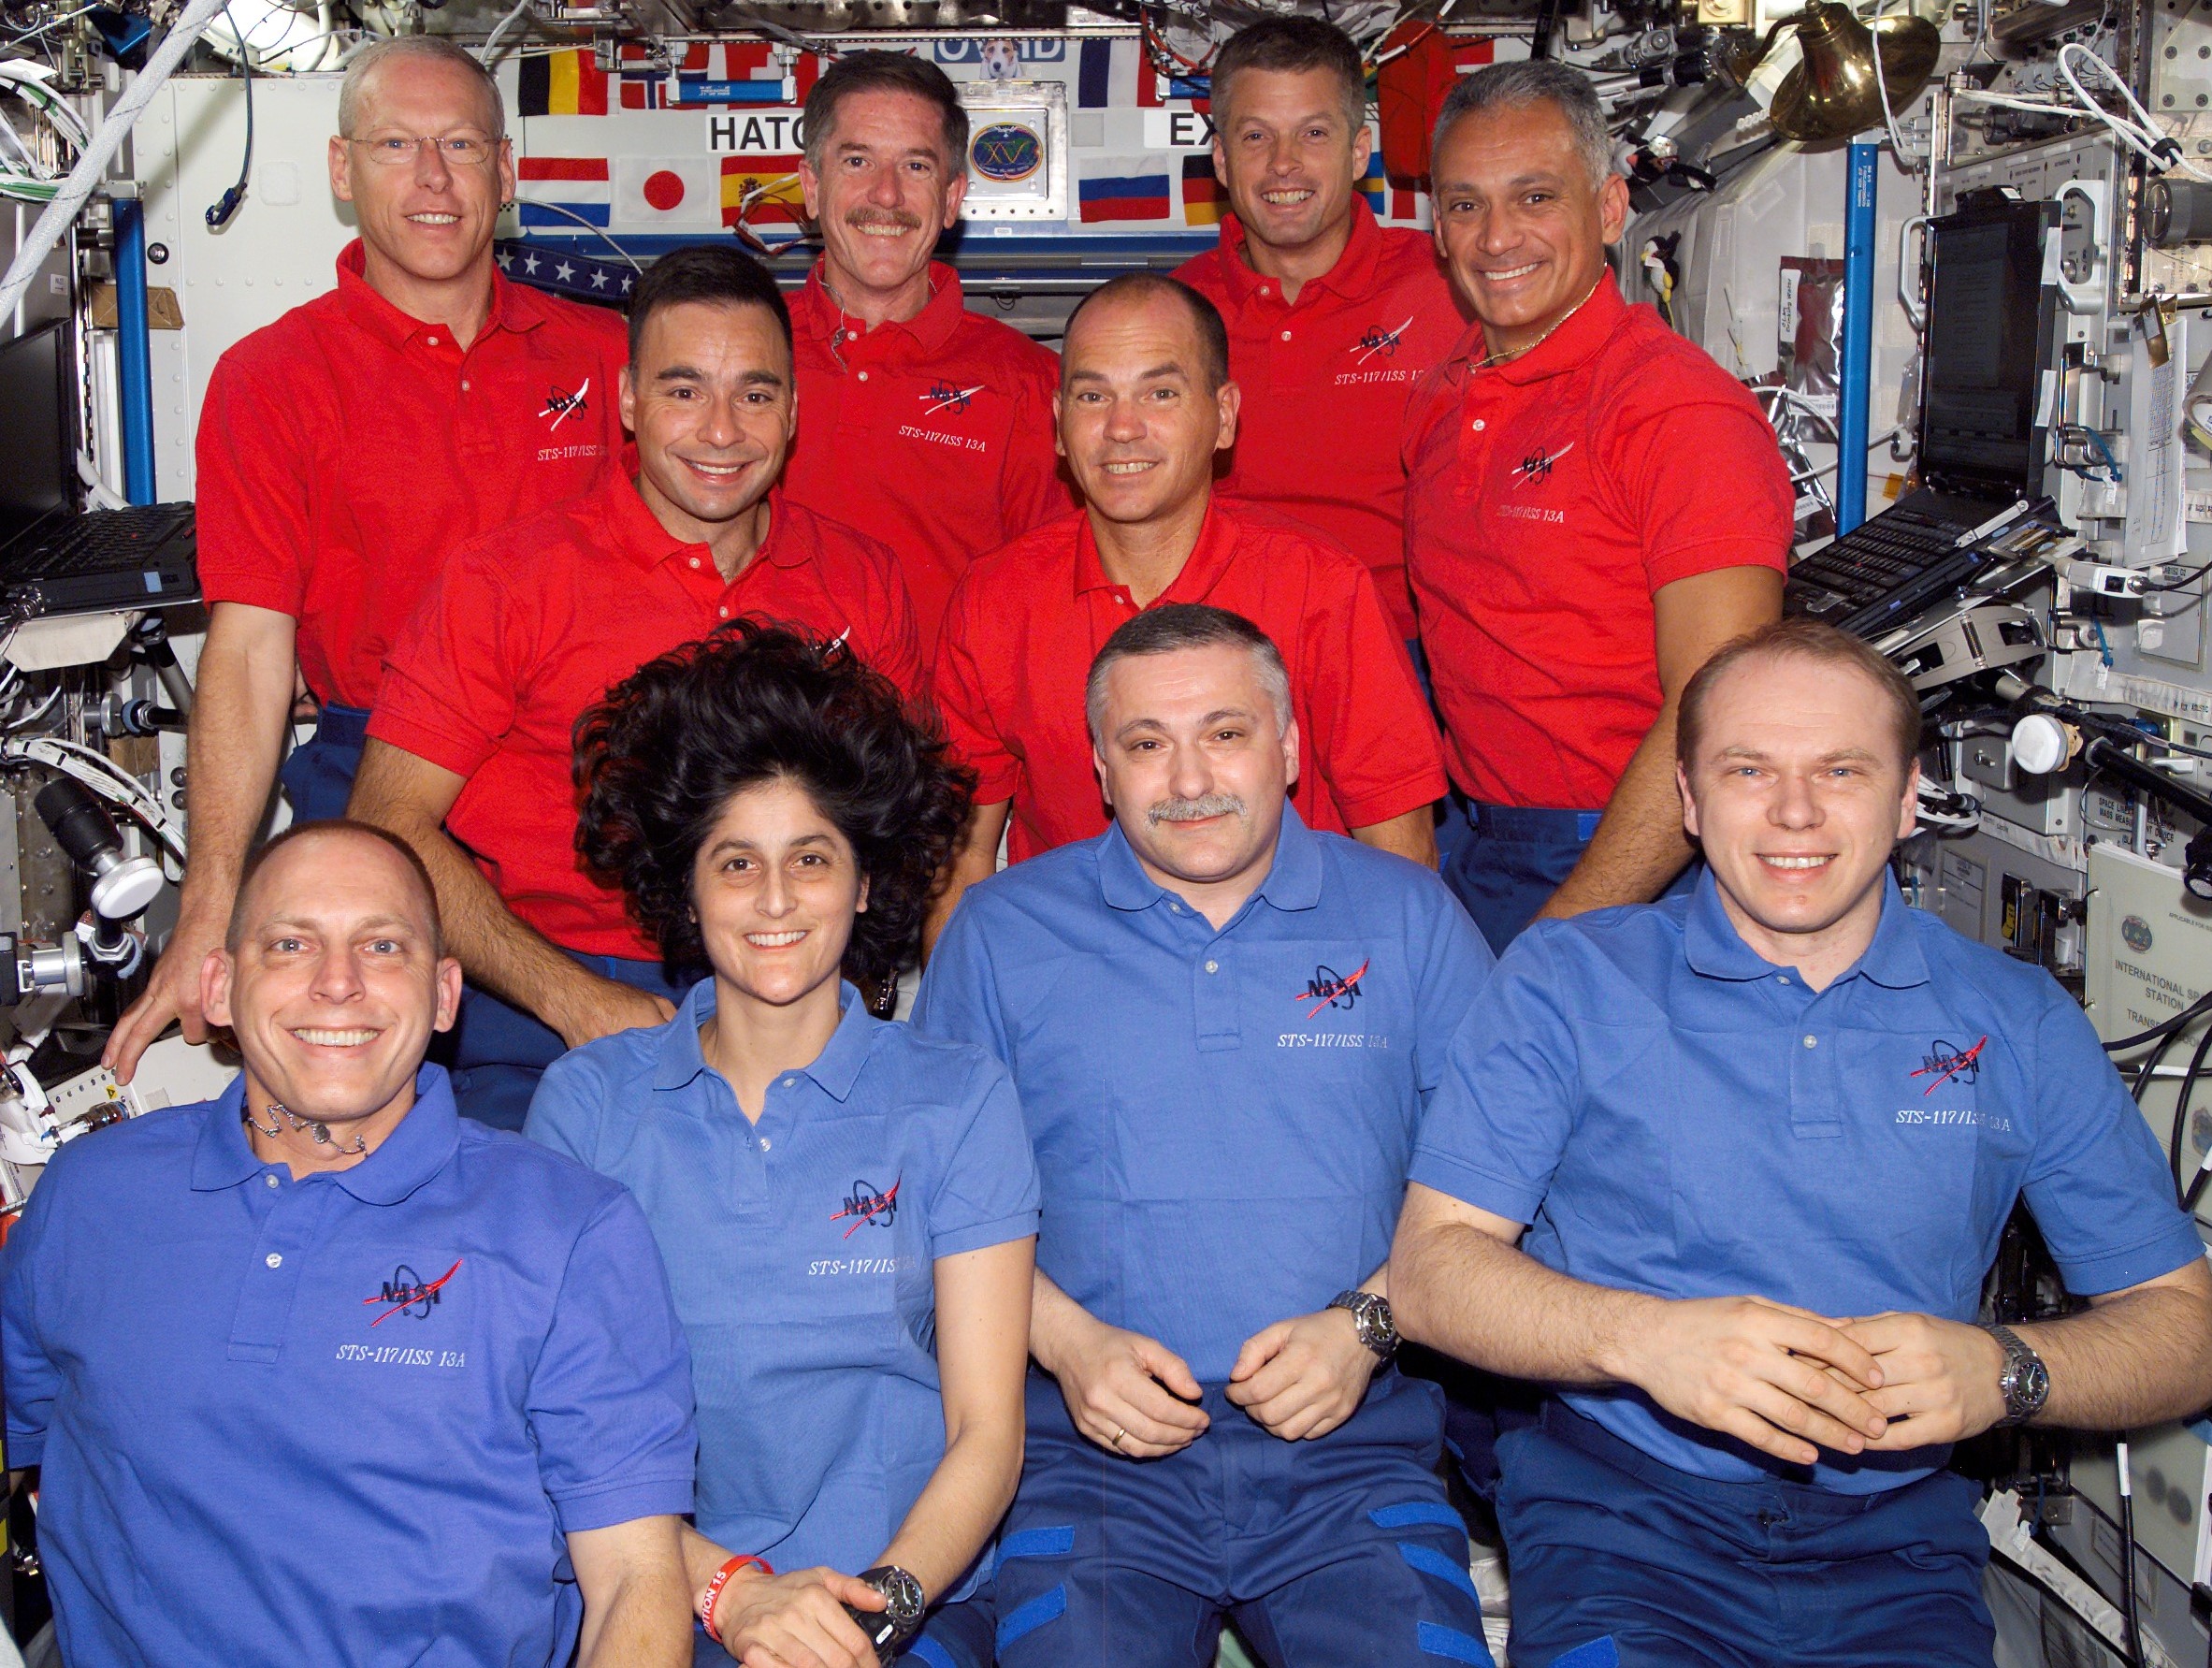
1833, 94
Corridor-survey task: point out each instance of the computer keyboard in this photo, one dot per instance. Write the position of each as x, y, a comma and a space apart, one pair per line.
104, 539
1876, 557
1874, 574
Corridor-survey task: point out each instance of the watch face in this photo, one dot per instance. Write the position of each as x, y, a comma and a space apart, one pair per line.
902, 1591
2035, 1384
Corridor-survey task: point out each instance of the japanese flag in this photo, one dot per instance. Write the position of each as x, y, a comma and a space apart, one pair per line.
658, 195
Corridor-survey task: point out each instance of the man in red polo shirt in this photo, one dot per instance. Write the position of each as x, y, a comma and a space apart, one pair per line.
1331, 317
469, 747
927, 427
1145, 405
345, 448
1593, 507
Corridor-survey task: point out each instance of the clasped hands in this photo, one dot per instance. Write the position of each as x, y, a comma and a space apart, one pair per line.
1789, 1382
1297, 1379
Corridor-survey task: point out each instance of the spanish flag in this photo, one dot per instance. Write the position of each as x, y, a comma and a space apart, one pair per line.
763, 191
563, 83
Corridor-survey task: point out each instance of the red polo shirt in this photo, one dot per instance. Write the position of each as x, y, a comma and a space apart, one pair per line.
1325, 381
525, 629
1547, 498
1026, 622
933, 435
344, 449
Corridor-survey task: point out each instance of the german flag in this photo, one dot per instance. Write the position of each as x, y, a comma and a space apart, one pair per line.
1202, 198
564, 83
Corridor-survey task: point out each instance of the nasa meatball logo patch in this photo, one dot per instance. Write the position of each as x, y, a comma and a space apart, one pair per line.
407, 1293
1377, 338
560, 405
1329, 988
868, 1207
1325, 991
1536, 468
1947, 1063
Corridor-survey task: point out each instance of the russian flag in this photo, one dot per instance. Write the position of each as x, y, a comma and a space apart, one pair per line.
1123, 187
544, 186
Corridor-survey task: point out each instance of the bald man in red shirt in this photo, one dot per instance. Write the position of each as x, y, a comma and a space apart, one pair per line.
469, 755
1332, 318
345, 448
1145, 406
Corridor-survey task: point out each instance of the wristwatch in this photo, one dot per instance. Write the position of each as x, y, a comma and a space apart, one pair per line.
2025, 1381
1371, 1316
899, 1619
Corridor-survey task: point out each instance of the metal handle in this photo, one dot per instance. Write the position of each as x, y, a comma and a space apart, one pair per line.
1908, 273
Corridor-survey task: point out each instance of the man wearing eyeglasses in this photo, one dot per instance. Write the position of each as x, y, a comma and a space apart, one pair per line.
345, 448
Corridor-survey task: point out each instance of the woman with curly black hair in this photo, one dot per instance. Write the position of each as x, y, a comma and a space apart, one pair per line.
848, 1212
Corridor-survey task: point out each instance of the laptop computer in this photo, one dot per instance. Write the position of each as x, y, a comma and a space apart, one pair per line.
1990, 320
56, 558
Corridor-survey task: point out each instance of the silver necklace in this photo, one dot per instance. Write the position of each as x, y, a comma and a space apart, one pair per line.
320, 1130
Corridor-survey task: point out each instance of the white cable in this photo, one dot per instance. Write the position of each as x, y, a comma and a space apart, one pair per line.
30, 77
84, 178
491, 42
598, 231
1905, 159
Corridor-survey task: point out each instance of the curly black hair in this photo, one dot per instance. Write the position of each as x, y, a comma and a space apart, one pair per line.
657, 760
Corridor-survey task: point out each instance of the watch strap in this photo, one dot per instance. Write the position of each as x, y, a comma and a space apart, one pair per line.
1370, 1314
2023, 1368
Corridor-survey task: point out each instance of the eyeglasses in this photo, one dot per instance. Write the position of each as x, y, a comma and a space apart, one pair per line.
458, 152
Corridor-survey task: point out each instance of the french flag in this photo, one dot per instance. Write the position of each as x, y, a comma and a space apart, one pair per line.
1112, 75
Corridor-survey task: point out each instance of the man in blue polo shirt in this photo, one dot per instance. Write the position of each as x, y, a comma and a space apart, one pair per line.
316, 1372
1222, 1027
1756, 1146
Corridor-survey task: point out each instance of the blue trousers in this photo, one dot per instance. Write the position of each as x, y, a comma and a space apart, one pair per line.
318, 774
498, 1052
1325, 1554
1618, 1558
1504, 863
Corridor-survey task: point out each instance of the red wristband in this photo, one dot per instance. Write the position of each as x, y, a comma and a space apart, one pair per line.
721, 1580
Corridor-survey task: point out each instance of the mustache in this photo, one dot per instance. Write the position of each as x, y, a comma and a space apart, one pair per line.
1195, 810
891, 217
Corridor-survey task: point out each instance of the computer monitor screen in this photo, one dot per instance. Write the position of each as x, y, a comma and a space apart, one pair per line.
38, 464
1987, 331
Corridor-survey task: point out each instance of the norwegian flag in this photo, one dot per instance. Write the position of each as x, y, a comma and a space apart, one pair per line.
712, 74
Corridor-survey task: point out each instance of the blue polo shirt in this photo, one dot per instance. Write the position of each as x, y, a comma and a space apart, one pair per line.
344, 1419
1672, 1115
1222, 1119
801, 1250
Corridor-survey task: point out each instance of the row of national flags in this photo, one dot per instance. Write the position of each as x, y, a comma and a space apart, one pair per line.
1136, 188
708, 193
708, 76
1109, 75
688, 193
